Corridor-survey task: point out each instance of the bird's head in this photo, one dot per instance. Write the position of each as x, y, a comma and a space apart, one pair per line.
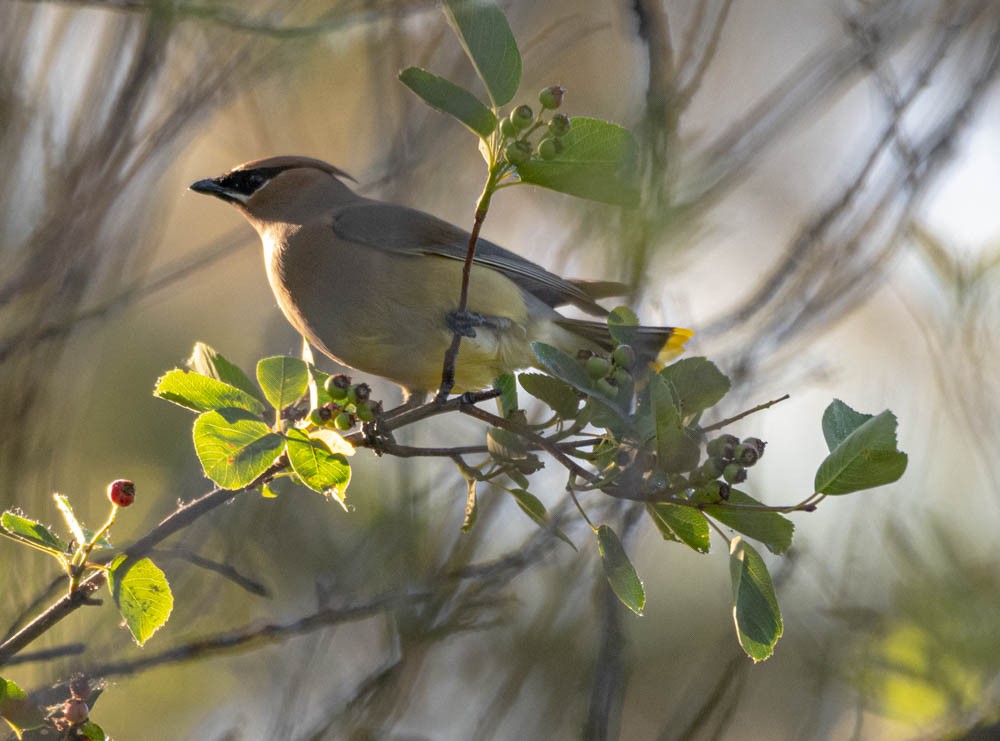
286, 188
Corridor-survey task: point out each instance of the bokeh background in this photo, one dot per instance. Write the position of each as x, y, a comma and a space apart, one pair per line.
822, 206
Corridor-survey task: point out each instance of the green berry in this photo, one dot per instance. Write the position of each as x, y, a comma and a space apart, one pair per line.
597, 367
607, 387
757, 444
549, 149
734, 473
551, 97
508, 129
336, 386
522, 117
745, 455
362, 392
559, 125
343, 421
722, 447
624, 357
365, 413
518, 152
320, 416
710, 469
621, 376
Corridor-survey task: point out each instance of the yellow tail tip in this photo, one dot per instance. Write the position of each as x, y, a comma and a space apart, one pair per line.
674, 346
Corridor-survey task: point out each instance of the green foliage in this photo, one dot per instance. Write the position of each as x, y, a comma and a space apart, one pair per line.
316, 466
449, 98
532, 506
557, 394
738, 512
682, 524
863, 452
203, 393
31, 533
17, 710
755, 606
283, 380
142, 594
235, 446
624, 580
486, 37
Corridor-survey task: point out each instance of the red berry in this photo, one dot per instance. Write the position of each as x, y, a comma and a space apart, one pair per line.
121, 492
76, 711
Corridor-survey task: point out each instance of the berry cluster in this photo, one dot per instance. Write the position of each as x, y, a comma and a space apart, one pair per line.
610, 374
728, 459
522, 122
351, 404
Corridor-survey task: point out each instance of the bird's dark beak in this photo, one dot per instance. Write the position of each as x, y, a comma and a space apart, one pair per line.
209, 187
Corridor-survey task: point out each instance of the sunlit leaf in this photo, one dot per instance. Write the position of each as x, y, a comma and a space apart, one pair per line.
234, 446
142, 594
866, 458
283, 379
21, 528
208, 362
755, 606
17, 710
319, 469
202, 393
684, 524
621, 574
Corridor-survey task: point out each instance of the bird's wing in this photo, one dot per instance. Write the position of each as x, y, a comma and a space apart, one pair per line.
407, 231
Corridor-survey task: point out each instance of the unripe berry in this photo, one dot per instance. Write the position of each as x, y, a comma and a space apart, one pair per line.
734, 473
722, 447
549, 149
757, 444
362, 392
336, 386
551, 97
621, 376
559, 125
745, 455
710, 469
624, 357
320, 416
342, 421
121, 492
597, 367
522, 117
508, 129
607, 387
76, 711
364, 412
518, 152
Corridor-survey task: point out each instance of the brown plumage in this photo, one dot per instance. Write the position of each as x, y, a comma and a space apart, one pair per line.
371, 284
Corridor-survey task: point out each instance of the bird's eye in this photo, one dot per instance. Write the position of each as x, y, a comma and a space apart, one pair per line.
255, 181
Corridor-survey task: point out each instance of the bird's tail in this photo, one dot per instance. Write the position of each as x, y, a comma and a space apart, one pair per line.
657, 345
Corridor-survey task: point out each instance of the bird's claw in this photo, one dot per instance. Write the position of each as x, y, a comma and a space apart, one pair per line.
464, 322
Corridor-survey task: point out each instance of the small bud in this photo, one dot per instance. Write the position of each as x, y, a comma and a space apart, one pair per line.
734, 473
518, 152
336, 386
549, 149
559, 125
522, 117
597, 367
76, 711
121, 492
343, 421
624, 357
551, 97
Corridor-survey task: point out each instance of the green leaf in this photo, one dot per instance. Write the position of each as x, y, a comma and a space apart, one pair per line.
234, 446
676, 451
447, 97
866, 458
621, 574
208, 362
487, 39
622, 324
839, 421
284, 380
696, 384
21, 528
72, 524
772, 529
508, 393
562, 366
755, 606
320, 470
559, 395
685, 524
142, 594
92, 732
202, 393
532, 506
15, 708
597, 162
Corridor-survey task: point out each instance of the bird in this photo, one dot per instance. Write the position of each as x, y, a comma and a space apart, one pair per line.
375, 286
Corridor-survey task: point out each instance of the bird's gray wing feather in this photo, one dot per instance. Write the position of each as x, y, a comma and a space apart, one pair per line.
407, 231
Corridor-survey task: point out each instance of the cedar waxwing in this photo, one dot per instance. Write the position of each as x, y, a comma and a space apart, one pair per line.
375, 286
